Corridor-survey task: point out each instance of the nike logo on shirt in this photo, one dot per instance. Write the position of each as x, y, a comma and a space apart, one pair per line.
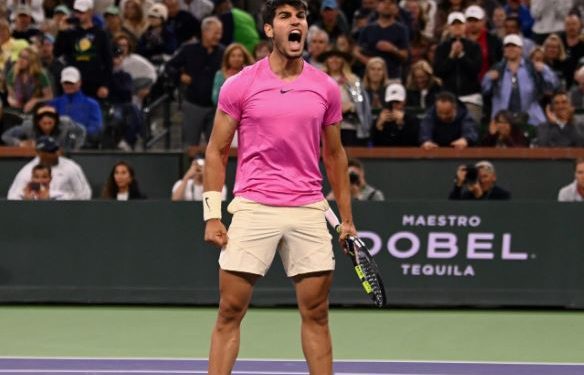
282, 91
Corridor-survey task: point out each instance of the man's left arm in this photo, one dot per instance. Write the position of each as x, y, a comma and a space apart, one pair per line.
337, 170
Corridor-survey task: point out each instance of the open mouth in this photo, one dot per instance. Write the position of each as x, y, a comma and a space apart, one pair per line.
295, 36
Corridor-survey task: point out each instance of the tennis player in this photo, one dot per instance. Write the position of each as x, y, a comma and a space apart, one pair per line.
282, 109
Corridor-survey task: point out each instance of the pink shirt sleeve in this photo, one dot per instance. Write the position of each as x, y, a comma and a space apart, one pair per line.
334, 113
231, 97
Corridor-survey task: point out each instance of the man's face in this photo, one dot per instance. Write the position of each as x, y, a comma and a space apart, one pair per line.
84, 17
511, 27
48, 158
385, 8
562, 106
71, 87
212, 34
573, 25
474, 25
41, 176
288, 31
512, 52
329, 16
446, 111
47, 49
22, 21
487, 179
318, 44
579, 174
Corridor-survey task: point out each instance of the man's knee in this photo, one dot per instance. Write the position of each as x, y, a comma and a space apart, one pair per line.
315, 311
231, 311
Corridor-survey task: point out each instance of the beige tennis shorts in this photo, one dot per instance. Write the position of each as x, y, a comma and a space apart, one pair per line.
257, 231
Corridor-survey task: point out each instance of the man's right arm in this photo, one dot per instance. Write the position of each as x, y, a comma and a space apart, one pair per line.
216, 156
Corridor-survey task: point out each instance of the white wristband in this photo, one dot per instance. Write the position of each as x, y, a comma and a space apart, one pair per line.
211, 205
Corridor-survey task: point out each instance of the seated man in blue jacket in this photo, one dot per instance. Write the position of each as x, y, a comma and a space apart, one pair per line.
79, 107
448, 124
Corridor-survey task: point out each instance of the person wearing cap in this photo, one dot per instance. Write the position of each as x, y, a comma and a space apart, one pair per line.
512, 26
385, 38
238, 25
190, 187
481, 186
182, 23
448, 124
443, 10
395, 127
113, 23
78, 106
517, 84
46, 122
158, 40
23, 24
476, 30
51, 25
196, 64
458, 62
67, 176
86, 46
331, 20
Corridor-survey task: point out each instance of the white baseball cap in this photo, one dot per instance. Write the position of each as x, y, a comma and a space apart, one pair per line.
70, 74
474, 11
513, 39
395, 93
456, 16
158, 10
83, 5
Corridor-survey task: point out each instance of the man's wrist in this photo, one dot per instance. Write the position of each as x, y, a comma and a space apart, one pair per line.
211, 205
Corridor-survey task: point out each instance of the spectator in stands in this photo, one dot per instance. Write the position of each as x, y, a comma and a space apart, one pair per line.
560, 129
448, 123
516, 9
261, 50
549, 17
498, 22
478, 182
554, 56
458, 63
86, 47
27, 82
422, 85
513, 27
238, 25
39, 187
396, 127
67, 177
330, 20
362, 16
113, 23
345, 43
157, 40
198, 8
318, 42
504, 132
577, 91
574, 43
9, 49
197, 64
190, 187
517, 84
79, 107
23, 24
574, 192
445, 8
46, 122
385, 38
124, 124
122, 184
134, 18
36, 7
142, 71
476, 30
235, 59
52, 66
375, 82
360, 189
181, 23
51, 25
356, 123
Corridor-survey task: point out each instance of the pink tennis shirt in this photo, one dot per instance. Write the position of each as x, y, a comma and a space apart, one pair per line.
279, 132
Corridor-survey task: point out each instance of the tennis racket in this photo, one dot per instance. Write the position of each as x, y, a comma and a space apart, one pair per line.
363, 263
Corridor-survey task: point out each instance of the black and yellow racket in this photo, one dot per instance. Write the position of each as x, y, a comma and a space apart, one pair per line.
363, 263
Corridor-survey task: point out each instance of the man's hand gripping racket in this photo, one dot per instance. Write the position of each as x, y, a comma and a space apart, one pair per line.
363, 263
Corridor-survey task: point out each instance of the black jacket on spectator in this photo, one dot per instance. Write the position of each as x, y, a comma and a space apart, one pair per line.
459, 76
495, 49
154, 43
28, 34
575, 53
551, 135
496, 193
184, 26
120, 89
394, 135
415, 97
441, 133
194, 60
396, 34
89, 50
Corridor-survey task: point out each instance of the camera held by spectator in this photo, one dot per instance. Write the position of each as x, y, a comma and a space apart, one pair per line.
360, 190
477, 182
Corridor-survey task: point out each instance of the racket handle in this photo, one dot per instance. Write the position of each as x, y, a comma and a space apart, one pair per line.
333, 220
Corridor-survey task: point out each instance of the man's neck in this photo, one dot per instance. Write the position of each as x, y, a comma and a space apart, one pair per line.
285, 68
207, 45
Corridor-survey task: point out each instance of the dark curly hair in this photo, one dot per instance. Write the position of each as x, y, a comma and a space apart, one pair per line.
269, 11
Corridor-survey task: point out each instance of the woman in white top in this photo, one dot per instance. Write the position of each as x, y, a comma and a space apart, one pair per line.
549, 17
122, 184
